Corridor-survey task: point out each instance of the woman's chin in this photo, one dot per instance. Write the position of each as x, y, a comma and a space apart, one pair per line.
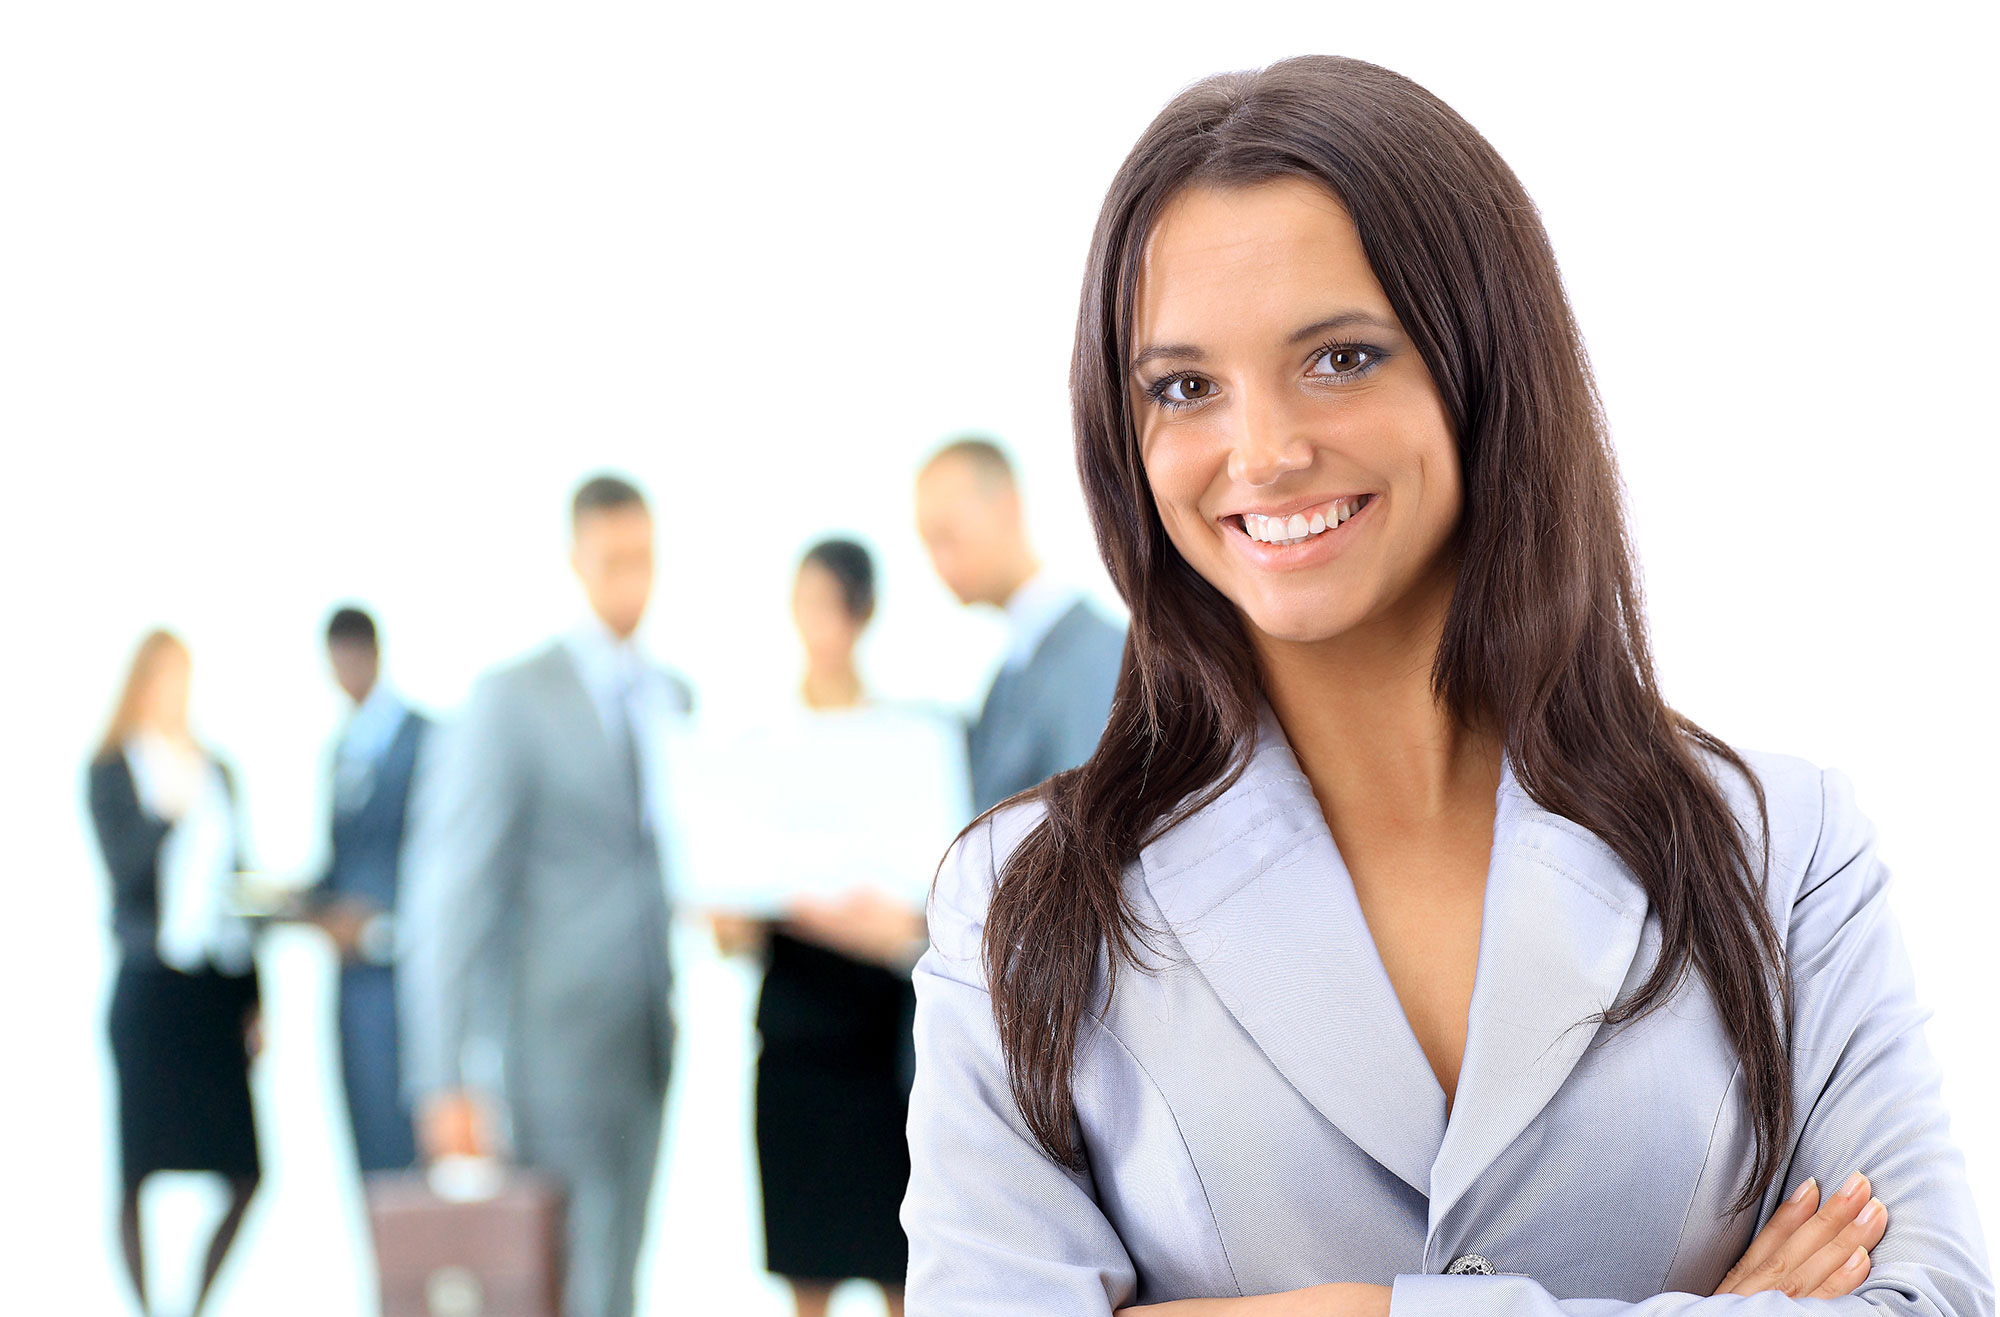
1302, 622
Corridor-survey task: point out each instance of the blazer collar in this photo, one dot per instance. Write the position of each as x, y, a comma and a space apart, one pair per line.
1255, 890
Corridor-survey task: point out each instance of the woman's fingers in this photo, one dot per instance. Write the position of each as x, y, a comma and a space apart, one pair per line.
1842, 1264
1791, 1214
1781, 1263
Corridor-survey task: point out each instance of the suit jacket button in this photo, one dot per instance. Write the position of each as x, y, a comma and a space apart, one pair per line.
1469, 1264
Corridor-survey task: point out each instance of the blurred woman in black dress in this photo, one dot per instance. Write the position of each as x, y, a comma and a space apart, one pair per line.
834, 1017
184, 1011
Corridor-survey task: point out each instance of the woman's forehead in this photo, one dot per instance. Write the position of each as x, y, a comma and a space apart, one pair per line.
1239, 256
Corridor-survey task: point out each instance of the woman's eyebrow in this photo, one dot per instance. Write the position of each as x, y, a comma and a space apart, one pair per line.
1328, 324
1177, 351
1342, 320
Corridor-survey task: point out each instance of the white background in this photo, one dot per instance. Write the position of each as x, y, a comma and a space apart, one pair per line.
302, 303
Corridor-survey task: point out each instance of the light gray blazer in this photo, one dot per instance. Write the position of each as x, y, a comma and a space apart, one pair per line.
533, 914
1258, 1115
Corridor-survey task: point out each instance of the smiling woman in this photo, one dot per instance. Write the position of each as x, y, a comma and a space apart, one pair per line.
1399, 949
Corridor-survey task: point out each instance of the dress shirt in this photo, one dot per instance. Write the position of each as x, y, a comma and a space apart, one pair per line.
1032, 612
613, 671
631, 697
371, 729
197, 862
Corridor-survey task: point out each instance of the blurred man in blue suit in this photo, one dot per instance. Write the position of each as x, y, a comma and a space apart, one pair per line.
373, 764
1046, 708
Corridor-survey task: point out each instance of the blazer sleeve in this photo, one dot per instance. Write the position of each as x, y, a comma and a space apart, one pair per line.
460, 873
1868, 1099
995, 1225
127, 837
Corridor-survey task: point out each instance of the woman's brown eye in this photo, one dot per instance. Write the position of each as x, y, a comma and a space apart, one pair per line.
1194, 388
1343, 361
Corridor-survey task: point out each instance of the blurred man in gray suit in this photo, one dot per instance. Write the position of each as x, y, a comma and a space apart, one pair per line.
535, 915
1048, 704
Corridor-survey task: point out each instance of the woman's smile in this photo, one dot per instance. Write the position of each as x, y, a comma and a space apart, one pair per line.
1305, 537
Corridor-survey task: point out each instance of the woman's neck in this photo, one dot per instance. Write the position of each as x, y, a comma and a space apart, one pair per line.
1369, 733
177, 735
833, 687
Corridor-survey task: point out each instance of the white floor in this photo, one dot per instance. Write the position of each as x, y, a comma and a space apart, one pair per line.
303, 1249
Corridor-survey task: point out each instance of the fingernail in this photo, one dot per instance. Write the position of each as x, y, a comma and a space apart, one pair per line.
1870, 1212
1799, 1194
1858, 1258
1853, 1184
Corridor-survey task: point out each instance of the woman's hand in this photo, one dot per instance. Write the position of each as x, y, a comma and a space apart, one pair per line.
864, 925
1812, 1251
736, 935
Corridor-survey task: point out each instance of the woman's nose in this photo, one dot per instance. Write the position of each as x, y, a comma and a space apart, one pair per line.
1267, 446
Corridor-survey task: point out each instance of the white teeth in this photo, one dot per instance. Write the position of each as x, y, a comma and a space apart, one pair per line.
1298, 527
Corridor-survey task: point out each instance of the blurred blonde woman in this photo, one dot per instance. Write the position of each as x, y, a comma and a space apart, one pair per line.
185, 1008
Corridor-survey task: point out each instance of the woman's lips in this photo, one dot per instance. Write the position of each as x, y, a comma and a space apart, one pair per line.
1287, 549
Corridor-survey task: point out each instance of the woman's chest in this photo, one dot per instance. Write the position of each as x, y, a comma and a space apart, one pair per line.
1428, 943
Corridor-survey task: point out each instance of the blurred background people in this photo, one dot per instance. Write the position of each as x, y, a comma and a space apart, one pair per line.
374, 763
185, 1006
833, 1015
534, 912
1046, 708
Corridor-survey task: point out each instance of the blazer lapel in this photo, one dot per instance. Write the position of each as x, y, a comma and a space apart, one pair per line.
1562, 922
1255, 890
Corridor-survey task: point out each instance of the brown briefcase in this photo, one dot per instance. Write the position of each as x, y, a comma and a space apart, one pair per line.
488, 1245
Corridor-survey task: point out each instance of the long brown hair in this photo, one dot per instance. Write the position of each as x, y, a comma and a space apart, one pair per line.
1544, 637
156, 647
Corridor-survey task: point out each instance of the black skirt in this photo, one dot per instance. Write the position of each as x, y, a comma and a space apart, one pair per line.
832, 1098
183, 1071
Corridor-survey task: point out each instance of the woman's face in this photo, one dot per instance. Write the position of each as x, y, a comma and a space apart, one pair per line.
819, 610
164, 706
1276, 396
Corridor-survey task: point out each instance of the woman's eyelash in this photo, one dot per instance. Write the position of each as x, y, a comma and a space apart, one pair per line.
1157, 390
1374, 355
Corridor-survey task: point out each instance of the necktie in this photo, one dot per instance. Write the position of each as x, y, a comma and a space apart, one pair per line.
628, 745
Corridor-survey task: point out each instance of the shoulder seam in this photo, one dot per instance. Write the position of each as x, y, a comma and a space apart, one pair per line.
1220, 1243
1819, 837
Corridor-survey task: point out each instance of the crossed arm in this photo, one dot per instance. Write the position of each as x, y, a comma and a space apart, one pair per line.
1808, 1249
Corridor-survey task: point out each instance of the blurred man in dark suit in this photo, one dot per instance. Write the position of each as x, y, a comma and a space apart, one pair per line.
355, 902
1047, 706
